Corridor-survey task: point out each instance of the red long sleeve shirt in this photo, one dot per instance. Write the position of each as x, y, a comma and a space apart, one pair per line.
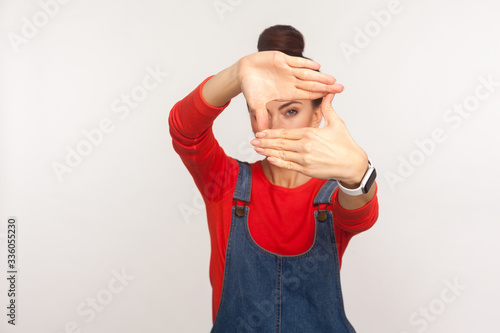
281, 219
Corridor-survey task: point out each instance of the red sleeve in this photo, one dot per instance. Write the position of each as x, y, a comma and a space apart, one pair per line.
357, 220
190, 125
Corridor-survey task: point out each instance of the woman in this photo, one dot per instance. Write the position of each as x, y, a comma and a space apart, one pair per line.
279, 226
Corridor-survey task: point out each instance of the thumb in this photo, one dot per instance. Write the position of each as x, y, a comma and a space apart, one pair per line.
262, 117
327, 110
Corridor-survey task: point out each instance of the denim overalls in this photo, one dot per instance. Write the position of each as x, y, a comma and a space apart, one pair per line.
267, 292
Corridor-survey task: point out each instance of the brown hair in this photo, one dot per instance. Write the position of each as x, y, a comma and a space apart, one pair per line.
286, 39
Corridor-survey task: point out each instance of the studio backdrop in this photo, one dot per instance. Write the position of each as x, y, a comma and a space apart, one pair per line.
102, 228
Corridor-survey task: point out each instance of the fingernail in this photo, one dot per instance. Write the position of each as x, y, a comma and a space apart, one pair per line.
260, 134
255, 142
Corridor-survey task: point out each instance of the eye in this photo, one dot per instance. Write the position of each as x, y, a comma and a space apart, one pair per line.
291, 112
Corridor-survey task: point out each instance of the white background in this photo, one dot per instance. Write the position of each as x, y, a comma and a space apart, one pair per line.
130, 205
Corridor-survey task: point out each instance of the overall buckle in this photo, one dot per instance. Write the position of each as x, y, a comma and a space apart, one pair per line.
240, 210
322, 215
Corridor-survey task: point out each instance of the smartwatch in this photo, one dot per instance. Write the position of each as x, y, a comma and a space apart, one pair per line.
366, 182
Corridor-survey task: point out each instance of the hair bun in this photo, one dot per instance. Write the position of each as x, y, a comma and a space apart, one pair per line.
284, 38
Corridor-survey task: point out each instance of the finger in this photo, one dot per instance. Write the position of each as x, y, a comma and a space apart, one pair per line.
301, 62
337, 87
282, 133
278, 144
289, 165
328, 112
304, 94
305, 74
283, 155
314, 87
260, 110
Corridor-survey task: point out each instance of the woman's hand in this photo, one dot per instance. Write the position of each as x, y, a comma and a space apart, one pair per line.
273, 75
328, 152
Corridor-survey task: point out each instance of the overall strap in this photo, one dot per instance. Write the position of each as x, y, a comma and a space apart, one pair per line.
243, 183
324, 195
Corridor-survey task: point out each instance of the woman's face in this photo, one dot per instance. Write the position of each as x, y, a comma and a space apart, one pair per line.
290, 114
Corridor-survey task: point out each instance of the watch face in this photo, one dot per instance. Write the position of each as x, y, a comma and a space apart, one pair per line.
370, 181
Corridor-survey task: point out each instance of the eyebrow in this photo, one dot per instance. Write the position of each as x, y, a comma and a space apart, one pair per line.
287, 104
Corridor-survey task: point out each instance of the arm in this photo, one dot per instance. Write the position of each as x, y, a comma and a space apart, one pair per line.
255, 76
352, 222
353, 202
359, 217
222, 87
190, 125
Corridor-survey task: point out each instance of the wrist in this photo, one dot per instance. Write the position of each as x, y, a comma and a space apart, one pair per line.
358, 172
235, 78
354, 182
349, 185
221, 88
361, 187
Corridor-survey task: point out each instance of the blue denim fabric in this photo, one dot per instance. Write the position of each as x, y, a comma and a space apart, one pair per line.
267, 292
